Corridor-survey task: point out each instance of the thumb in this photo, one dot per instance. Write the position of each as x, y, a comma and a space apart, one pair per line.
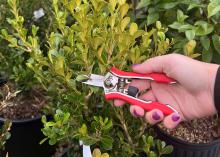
160, 64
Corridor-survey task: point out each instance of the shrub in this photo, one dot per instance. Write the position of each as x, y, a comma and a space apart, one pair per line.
13, 62
192, 23
88, 37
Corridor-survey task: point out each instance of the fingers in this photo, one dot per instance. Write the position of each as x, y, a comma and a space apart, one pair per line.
119, 103
160, 64
156, 64
136, 111
154, 116
172, 120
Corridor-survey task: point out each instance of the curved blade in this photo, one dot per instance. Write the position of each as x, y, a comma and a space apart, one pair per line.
95, 80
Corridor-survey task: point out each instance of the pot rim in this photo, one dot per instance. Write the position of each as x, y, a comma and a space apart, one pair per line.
22, 121
185, 142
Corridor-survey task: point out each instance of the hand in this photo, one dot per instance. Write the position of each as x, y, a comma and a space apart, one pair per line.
192, 97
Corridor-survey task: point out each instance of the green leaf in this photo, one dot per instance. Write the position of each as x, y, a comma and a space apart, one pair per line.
82, 78
150, 140
152, 154
44, 140
203, 28
181, 27
190, 34
108, 126
113, 4
112, 21
106, 142
195, 5
88, 140
124, 10
175, 25
213, 8
59, 65
161, 35
158, 25
207, 55
143, 4
124, 23
168, 5
44, 119
216, 42
189, 48
83, 130
121, 2
4, 32
52, 141
186, 27
167, 150
205, 41
105, 155
180, 16
133, 29
34, 30
159, 145
96, 153
152, 18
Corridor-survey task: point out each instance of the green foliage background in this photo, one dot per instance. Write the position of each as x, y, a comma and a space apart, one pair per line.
13, 62
187, 20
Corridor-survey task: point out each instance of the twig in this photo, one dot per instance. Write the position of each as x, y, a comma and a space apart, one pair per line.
120, 116
142, 129
86, 102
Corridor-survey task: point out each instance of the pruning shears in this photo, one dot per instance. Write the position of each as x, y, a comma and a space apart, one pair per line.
114, 84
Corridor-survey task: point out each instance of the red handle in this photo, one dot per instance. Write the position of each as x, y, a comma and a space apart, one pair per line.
146, 105
158, 77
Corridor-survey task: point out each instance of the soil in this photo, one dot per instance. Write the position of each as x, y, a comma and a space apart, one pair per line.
203, 130
24, 105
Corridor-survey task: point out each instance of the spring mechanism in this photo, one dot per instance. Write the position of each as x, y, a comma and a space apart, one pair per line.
121, 84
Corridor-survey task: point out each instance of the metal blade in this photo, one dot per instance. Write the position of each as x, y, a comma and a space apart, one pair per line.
95, 80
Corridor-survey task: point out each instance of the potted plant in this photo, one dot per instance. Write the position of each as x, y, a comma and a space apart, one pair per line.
22, 100
90, 37
194, 27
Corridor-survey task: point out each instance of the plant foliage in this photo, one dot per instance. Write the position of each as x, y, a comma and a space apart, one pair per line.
194, 24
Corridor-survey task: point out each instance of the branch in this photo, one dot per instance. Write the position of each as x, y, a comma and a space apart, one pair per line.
120, 116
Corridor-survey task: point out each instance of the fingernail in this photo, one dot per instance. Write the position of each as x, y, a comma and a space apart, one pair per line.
135, 65
175, 117
156, 116
136, 114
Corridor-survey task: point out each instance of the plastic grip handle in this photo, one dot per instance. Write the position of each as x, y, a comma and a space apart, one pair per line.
146, 105
158, 77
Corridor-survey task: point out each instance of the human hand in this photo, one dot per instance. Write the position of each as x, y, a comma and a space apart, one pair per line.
192, 96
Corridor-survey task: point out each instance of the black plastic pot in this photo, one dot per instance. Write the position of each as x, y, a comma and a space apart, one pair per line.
25, 138
186, 149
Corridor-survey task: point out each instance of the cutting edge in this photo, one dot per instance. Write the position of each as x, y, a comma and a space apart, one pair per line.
95, 80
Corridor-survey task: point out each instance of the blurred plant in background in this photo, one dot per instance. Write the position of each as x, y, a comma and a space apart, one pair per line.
13, 63
194, 24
